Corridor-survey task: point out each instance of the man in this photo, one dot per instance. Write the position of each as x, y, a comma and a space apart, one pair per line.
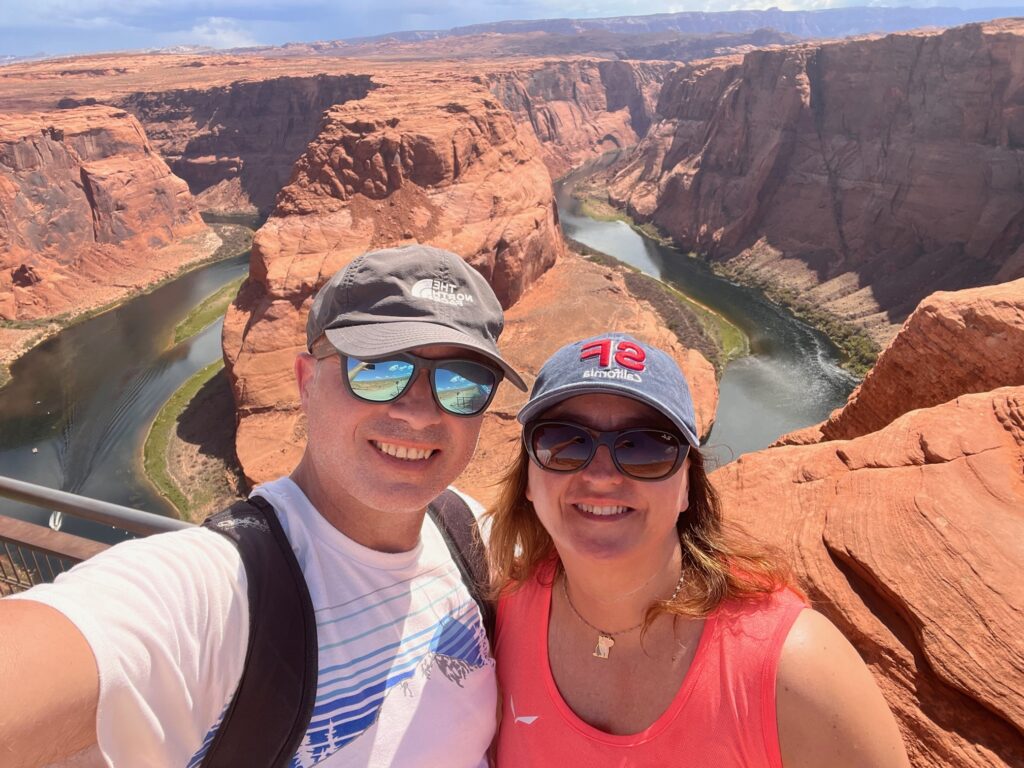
140, 650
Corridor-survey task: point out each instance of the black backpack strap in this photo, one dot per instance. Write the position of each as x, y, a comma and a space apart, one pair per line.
458, 526
271, 709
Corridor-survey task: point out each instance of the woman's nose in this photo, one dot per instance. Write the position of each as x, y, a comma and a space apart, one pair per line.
601, 468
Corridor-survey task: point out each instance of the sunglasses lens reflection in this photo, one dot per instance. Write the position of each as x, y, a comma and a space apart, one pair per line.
647, 453
463, 387
561, 447
379, 380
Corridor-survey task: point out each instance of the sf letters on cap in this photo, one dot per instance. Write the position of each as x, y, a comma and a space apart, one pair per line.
626, 354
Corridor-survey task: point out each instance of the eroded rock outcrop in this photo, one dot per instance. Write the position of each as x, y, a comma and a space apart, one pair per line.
954, 343
911, 539
413, 162
88, 213
236, 144
578, 109
862, 174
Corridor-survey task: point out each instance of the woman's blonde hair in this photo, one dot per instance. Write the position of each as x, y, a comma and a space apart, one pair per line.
718, 564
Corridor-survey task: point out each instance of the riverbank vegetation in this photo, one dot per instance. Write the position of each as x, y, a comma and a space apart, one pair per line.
208, 311
694, 324
857, 349
236, 239
189, 451
594, 204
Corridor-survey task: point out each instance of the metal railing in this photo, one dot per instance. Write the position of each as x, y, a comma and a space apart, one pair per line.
31, 554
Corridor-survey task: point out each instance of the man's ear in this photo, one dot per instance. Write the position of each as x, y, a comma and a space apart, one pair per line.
305, 373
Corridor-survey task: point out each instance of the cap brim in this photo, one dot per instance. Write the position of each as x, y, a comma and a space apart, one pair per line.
537, 406
379, 339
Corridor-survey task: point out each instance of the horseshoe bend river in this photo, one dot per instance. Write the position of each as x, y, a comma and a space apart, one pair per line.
78, 406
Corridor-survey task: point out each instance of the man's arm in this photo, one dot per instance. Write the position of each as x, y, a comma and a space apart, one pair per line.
829, 708
49, 684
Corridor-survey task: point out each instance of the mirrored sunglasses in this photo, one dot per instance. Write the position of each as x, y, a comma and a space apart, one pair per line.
460, 386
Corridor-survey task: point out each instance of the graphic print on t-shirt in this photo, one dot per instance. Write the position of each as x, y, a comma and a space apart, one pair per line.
392, 642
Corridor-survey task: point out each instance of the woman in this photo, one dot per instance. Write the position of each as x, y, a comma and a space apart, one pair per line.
631, 630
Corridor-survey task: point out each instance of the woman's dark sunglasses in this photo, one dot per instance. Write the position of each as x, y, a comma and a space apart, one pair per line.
461, 387
642, 453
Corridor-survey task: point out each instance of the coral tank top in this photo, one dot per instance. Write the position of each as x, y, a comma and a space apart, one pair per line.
722, 717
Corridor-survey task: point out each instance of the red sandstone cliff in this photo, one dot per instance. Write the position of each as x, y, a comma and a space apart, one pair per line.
905, 520
412, 162
88, 212
862, 174
578, 109
954, 343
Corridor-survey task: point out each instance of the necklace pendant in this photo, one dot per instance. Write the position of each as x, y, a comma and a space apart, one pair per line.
604, 647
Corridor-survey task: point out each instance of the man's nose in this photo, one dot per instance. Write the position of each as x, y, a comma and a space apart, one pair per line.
416, 406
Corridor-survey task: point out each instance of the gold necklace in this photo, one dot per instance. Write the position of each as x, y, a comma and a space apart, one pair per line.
606, 639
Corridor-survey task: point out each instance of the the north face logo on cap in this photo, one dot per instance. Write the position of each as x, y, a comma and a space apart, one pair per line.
441, 291
629, 359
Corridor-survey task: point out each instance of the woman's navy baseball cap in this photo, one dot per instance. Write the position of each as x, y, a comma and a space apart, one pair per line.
615, 364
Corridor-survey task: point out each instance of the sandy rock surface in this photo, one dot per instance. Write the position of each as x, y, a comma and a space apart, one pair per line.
911, 539
861, 174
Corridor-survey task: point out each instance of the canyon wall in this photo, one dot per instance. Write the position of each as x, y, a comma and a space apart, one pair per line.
905, 523
578, 109
413, 162
861, 175
88, 213
438, 162
236, 144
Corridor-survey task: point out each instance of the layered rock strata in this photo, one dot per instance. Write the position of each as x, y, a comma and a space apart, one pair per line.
904, 519
236, 144
580, 108
418, 162
910, 539
88, 213
862, 175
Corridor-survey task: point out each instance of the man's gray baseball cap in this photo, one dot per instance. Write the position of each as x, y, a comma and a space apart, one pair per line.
615, 364
397, 299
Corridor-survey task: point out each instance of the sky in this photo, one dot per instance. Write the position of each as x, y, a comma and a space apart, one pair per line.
34, 27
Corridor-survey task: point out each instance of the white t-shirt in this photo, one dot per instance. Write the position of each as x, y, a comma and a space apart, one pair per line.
406, 676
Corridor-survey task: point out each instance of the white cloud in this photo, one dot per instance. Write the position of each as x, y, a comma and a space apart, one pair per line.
216, 32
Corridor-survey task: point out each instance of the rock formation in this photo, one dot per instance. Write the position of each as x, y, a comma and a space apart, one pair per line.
905, 521
954, 343
236, 144
911, 540
578, 109
862, 175
88, 213
414, 162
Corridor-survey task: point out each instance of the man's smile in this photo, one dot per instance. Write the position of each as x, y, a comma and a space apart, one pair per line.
405, 453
